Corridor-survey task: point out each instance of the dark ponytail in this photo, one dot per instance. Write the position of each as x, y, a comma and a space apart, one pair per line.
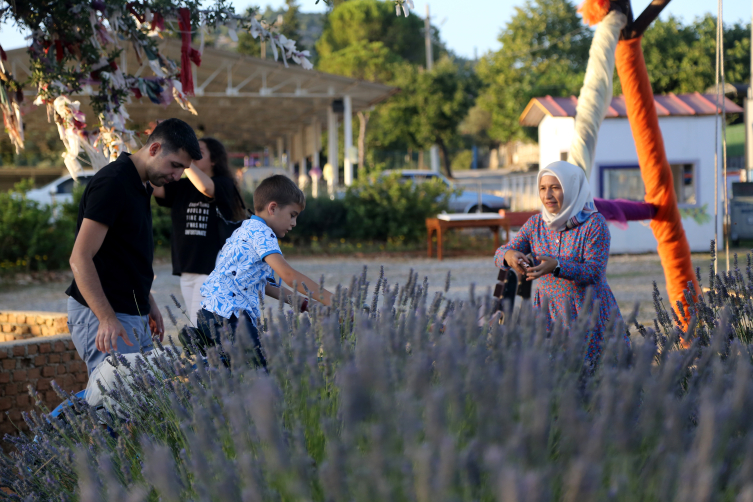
221, 167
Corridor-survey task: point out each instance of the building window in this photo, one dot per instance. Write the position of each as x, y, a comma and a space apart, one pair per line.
685, 189
622, 183
563, 156
618, 182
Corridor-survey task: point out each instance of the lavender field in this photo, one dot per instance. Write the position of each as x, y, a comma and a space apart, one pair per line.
423, 398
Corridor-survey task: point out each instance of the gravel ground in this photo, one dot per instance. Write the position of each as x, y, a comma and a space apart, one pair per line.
630, 277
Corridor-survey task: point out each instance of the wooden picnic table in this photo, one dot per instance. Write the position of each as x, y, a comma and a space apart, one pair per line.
445, 222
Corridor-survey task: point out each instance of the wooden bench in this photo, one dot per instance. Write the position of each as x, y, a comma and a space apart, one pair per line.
517, 218
445, 222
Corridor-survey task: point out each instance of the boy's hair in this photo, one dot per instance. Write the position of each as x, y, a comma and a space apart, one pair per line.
280, 189
173, 135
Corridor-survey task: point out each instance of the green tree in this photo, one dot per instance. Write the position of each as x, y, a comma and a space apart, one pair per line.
358, 21
475, 126
291, 24
363, 60
431, 106
681, 58
248, 45
544, 52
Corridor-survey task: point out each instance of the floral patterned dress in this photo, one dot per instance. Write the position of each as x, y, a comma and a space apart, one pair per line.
582, 252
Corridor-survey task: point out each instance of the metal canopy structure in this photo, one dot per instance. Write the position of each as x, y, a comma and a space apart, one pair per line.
244, 101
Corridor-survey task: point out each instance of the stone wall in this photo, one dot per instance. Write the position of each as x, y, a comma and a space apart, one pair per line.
25, 325
28, 358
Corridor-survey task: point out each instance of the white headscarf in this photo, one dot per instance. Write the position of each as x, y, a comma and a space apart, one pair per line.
577, 203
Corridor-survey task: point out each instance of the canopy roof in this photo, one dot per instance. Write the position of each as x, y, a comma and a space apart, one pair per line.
667, 105
240, 99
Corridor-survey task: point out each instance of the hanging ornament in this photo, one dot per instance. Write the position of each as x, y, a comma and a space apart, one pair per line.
180, 97
70, 122
11, 95
80, 52
187, 53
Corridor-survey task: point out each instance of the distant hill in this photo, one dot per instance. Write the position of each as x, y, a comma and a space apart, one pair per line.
312, 25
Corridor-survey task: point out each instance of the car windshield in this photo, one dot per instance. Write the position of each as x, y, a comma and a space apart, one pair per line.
67, 185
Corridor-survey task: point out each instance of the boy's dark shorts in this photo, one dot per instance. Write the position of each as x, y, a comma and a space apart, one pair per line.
242, 326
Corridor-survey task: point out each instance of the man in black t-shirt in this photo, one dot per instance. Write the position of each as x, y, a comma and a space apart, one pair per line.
112, 257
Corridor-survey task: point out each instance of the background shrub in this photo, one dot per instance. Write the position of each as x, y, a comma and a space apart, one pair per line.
462, 160
323, 218
162, 225
383, 207
37, 237
373, 208
34, 236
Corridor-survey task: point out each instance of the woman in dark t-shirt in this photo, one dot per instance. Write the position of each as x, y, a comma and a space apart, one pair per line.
195, 201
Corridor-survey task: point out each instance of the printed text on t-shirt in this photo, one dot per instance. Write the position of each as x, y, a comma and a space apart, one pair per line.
197, 215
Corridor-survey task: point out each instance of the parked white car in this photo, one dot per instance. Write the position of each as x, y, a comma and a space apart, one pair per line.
59, 191
467, 202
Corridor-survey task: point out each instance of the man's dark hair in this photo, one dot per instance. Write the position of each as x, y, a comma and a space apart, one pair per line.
174, 135
280, 189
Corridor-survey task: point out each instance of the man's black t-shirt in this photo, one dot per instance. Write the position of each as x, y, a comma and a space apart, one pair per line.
195, 237
116, 197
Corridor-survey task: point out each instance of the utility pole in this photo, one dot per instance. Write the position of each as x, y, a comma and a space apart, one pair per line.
427, 37
748, 118
434, 151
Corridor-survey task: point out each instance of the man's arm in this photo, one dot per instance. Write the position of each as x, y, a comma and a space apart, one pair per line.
158, 192
290, 275
90, 237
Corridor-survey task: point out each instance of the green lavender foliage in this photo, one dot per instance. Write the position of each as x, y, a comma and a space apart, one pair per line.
725, 303
416, 400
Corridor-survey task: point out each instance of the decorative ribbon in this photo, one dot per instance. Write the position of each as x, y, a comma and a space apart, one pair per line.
673, 247
620, 211
187, 53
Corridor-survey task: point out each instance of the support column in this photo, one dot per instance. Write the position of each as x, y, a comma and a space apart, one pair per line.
434, 151
300, 147
280, 151
332, 159
434, 156
316, 131
348, 130
315, 173
289, 151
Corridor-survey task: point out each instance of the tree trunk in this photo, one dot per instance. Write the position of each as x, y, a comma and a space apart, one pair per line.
446, 158
363, 120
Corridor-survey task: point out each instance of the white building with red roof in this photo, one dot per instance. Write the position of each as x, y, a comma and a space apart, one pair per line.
688, 125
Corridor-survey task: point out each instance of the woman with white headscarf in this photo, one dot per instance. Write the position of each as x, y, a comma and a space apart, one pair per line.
566, 247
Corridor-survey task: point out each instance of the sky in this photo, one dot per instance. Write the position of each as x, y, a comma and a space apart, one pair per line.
470, 26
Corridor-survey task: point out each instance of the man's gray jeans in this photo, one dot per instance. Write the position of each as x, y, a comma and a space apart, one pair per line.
83, 325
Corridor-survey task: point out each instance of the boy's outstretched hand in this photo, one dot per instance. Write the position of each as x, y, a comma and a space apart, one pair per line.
289, 275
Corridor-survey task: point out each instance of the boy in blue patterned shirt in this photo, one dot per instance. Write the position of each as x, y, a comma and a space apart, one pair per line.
249, 259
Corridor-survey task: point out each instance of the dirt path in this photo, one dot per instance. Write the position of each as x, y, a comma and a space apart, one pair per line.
630, 278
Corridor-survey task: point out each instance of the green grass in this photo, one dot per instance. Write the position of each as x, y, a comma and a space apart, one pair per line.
736, 140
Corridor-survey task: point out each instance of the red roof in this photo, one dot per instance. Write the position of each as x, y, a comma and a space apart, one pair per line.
667, 105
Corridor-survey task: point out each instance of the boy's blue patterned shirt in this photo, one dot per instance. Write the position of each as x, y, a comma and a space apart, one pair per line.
241, 273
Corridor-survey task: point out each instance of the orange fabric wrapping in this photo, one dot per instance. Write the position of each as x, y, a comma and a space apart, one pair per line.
673, 247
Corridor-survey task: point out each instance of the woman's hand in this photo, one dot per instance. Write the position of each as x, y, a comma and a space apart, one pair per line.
546, 266
518, 261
